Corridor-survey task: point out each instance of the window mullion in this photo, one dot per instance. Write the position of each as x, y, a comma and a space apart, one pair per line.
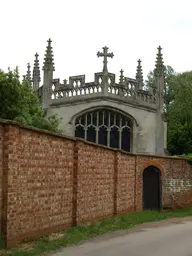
108, 137
97, 128
86, 127
112, 119
120, 132
108, 130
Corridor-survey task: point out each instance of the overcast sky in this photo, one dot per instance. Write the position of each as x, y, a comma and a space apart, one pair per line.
79, 28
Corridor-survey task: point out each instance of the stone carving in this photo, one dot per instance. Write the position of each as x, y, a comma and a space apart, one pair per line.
105, 54
104, 84
139, 75
36, 73
159, 66
28, 75
114, 126
67, 97
121, 78
48, 60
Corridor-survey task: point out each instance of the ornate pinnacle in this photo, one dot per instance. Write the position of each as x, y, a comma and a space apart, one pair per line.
121, 78
28, 75
48, 60
139, 75
36, 73
24, 79
36, 70
105, 54
159, 66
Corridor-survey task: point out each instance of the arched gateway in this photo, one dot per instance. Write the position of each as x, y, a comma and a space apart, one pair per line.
152, 188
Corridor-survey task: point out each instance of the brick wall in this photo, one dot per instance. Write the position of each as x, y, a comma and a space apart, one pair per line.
125, 182
176, 178
52, 182
40, 183
95, 183
1, 168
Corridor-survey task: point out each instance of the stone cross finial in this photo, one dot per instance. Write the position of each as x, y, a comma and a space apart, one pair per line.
159, 49
121, 78
105, 54
49, 41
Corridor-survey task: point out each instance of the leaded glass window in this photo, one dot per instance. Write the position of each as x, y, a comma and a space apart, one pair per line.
105, 127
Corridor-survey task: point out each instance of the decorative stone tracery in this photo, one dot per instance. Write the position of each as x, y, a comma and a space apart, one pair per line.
75, 92
105, 127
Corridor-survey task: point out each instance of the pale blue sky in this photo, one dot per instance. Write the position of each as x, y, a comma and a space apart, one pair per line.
79, 28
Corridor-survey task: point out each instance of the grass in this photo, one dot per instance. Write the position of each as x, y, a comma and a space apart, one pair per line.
184, 155
188, 156
76, 234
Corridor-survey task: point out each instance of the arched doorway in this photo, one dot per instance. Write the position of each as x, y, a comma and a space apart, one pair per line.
152, 188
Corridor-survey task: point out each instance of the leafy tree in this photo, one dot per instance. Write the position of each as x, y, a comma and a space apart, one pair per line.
180, 115
177, 108
18, 102
168, 89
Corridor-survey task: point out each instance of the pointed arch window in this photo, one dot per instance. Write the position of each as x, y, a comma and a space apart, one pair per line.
105, 127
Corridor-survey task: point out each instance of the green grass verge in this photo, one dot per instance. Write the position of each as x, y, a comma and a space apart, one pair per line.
184, 155
76, 234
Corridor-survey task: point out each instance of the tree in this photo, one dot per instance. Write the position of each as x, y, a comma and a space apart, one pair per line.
177, 109
19, 102
168, 89
180, 115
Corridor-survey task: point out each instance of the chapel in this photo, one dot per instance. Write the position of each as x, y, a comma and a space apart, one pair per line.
118, 113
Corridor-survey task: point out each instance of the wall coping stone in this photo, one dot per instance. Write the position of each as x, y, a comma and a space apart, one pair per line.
59, 135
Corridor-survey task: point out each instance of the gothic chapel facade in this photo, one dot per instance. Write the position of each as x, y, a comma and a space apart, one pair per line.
119, 115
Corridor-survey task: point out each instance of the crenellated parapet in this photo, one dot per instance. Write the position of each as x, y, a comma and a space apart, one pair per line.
75, 89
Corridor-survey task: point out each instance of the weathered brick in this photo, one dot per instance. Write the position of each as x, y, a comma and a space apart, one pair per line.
1, 167
51, 182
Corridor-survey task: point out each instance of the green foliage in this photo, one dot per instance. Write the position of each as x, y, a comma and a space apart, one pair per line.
19, 103
2, 240
177, 109
180, 115
168, 90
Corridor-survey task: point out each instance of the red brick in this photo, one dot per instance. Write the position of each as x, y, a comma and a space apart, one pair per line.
51, 182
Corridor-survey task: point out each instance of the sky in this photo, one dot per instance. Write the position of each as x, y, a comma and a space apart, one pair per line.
80, 28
